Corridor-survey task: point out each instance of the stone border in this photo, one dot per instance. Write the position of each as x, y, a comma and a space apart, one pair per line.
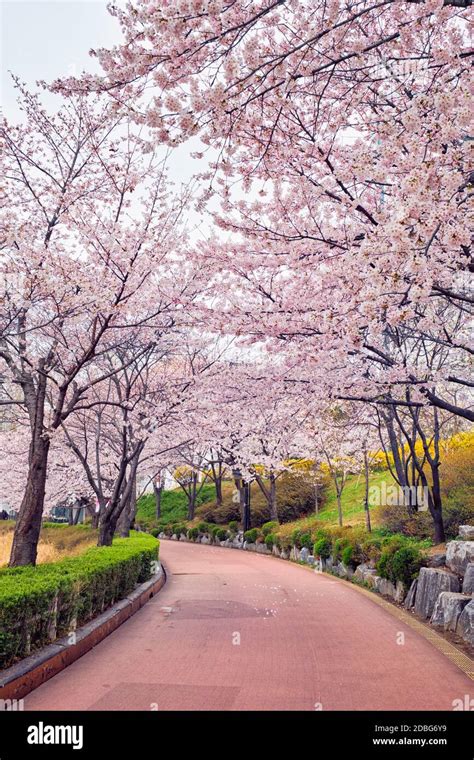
20, 679
455, 655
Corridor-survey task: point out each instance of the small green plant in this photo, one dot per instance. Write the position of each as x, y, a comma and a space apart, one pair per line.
221, 534
193, 533
401, 565
203, 527
251, 535
347, 554
234, 526
155, 532
269, 527
271, 540
338, 546
322, 548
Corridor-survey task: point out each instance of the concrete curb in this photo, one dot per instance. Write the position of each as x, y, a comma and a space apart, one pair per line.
25, 676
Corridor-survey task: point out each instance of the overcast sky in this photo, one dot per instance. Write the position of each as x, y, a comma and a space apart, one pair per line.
47, 39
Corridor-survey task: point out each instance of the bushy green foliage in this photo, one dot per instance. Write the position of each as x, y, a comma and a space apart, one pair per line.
302, 539
221, 534
39, 604
322, 548
347, 555
251, 535
271, 540
400, 560
269, 527
193, 533
155, 532
203, 527
234, 526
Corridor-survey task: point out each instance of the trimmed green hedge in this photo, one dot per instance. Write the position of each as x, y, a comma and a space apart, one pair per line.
40, 604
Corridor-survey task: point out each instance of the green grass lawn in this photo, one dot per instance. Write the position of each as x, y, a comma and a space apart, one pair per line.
173, 505
352, 506
352, 498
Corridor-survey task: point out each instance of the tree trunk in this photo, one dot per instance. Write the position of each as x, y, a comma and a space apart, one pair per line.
436, 507
218, 484
157, 490
246, 518
106, 532
28, 524
366, 495
273, 499
192, 496
339, 506
127, 517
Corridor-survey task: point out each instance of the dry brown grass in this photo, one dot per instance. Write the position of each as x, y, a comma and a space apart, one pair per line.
55, 543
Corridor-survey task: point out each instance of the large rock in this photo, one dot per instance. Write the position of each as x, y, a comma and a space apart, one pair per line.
431, 582
466, 532
468, 582
387, 588
436, 560
276, 551
364, 572
284, 554
465, 626
458, 555
304, 554
410, 597
205, 540
447, 610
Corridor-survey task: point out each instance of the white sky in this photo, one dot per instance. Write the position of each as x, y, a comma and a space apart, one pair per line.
47, 39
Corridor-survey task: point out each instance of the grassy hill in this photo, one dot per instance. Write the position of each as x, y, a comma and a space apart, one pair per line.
295, 497
173, 506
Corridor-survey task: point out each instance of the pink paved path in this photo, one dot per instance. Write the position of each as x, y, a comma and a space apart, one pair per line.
304, 639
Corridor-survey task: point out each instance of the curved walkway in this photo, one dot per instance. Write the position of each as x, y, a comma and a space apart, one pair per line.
237, 631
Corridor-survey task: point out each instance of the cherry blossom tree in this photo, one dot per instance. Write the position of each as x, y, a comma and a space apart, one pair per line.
82, 267
350, 125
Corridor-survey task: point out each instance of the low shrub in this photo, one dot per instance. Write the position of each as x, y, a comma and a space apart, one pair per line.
271, 540
302, 539
251, 535
203, 527
322, 548
347, 556
405, 564
339, 544
39, 604
221, 534
400, 560
155, 532
193, 533
269, 527
234, 526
